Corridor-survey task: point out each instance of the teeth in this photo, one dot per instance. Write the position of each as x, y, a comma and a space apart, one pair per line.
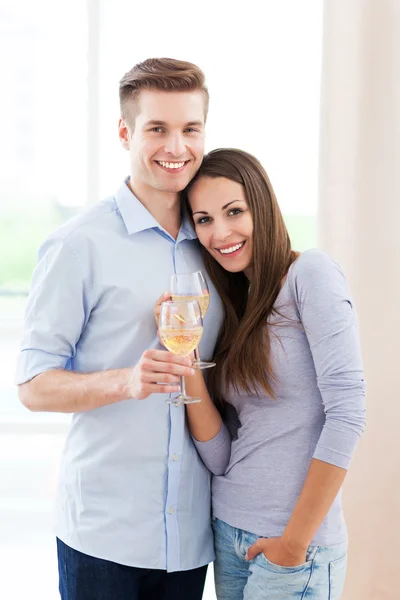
170, 165
231, 249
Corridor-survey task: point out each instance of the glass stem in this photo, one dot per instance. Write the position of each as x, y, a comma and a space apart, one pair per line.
183, 386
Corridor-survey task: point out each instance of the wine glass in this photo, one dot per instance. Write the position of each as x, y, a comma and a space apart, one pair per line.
181, 328
192, 286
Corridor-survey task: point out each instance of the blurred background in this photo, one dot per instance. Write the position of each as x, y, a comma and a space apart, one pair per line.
293, 84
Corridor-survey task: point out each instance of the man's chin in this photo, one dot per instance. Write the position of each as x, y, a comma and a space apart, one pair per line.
175, 187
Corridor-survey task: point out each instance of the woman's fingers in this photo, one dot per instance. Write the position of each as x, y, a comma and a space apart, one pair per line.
163, 298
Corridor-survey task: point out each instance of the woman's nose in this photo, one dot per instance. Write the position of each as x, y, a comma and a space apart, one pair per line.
221, 232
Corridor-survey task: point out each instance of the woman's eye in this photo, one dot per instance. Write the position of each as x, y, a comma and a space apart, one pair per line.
235, 211
202, 220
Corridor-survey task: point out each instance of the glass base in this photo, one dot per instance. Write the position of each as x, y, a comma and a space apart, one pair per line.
181, 399
202, 364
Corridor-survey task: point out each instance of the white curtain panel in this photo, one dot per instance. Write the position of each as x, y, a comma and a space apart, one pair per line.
359, 222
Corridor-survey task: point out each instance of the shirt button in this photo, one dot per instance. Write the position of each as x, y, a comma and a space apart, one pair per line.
175, 457
171, 510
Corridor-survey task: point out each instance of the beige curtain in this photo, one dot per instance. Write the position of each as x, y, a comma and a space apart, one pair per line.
359, 225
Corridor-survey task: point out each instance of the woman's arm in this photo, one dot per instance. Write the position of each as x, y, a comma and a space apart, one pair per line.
204, 420
210, 435
322, 485
330, 325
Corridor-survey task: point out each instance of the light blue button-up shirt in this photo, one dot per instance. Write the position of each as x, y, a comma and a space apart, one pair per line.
132, 487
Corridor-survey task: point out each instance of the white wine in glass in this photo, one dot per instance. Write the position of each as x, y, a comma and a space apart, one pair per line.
192, 286
181, 328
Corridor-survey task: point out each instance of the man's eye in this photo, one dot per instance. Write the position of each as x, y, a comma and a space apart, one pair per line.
157, 129
191, 130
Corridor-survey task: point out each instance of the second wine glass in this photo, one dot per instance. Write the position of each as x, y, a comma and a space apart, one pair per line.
181, 328
193, 286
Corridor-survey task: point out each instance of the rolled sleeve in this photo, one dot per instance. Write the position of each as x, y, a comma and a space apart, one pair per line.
56, 312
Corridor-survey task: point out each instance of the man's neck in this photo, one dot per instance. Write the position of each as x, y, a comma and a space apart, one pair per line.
164, 206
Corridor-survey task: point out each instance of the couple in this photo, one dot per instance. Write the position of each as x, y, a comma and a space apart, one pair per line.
287, 407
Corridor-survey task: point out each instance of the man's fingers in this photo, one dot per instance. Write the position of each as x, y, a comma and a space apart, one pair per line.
157, 388
165, 357
170, 368
157, 377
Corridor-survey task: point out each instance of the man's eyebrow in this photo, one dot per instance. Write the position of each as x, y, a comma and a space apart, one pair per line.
164, 124
203, 212
155, 122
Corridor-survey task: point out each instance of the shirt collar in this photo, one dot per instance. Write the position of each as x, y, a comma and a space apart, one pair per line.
137, 218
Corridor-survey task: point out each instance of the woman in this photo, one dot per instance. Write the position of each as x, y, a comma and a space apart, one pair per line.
289, 386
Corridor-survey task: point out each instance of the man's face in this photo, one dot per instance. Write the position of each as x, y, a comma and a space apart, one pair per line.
167, 143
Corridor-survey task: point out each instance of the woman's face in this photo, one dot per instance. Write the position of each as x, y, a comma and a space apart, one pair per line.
223, 221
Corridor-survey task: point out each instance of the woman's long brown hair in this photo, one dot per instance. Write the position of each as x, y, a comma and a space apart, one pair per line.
242, 354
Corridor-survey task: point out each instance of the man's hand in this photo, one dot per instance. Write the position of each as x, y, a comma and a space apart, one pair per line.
154, 371
277, 552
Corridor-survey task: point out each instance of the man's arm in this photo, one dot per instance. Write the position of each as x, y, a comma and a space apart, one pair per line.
63, 391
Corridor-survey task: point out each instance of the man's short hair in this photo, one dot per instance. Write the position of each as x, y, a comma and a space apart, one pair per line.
164, 74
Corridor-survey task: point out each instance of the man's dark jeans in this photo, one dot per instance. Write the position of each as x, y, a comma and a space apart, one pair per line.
83, 577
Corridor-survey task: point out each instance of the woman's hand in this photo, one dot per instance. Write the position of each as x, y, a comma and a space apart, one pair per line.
164, 298
277, 552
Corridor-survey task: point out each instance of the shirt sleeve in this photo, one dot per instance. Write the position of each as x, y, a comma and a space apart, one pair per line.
330, 324
56, 313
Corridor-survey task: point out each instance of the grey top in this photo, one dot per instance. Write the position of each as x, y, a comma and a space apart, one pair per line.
318, 412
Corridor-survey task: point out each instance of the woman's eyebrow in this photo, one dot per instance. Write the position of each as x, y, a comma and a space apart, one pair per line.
203, 212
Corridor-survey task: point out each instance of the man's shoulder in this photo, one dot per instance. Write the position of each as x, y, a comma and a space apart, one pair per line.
89, 222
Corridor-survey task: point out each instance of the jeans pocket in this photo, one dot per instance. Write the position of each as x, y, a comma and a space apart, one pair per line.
311, 553
276, 581
280, 569
337, 576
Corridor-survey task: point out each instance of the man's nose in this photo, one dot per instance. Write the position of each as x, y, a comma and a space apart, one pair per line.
175, 145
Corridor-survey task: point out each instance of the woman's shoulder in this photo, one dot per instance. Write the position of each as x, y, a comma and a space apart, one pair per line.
314, 258
315, 269
312, 263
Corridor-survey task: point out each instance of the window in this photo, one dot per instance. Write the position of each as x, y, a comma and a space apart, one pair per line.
42, 153
59, 150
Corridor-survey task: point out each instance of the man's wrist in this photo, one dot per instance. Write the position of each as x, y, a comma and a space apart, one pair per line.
124, 384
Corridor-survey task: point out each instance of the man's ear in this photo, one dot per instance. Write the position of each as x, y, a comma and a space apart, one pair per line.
123, 133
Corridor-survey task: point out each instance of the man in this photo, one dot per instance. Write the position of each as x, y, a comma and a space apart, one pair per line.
133, 505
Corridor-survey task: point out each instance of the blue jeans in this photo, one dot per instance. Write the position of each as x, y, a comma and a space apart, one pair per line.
321, 577
84, 577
